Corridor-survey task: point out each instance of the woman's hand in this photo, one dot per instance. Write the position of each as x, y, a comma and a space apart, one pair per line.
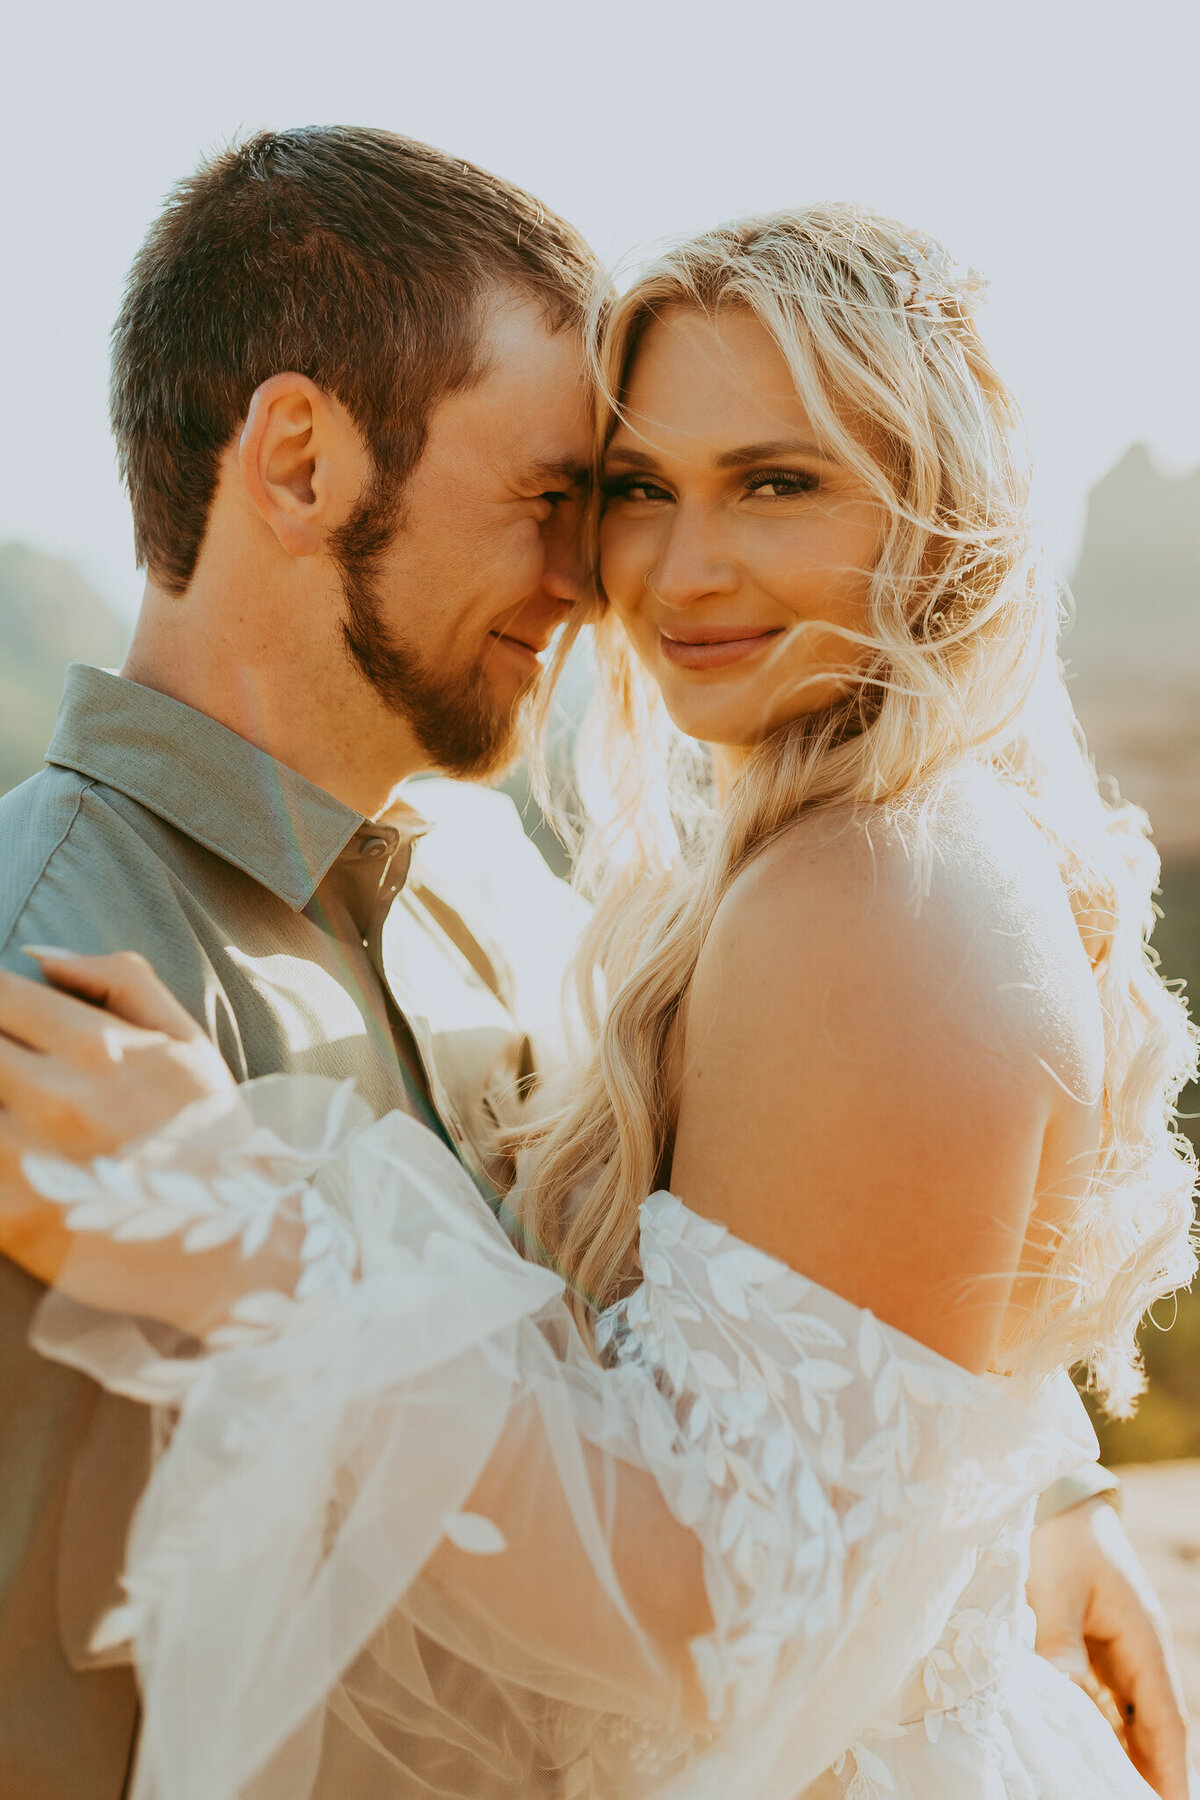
82, 1077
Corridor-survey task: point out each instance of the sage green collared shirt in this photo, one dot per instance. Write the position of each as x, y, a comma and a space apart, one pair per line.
268, 907
258, 897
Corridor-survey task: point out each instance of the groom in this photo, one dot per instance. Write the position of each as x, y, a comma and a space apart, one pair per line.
349, 409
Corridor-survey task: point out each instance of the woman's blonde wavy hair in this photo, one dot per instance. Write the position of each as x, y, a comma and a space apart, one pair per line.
958, 666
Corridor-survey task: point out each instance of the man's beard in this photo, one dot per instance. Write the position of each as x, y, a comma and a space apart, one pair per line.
454, 715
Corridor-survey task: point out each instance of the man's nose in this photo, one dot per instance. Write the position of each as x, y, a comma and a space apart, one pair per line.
566, 572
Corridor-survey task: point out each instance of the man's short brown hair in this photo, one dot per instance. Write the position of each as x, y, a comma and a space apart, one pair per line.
352, 256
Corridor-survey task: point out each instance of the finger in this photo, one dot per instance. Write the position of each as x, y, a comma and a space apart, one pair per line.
18, 1075
1139, 1669
1158, 1748
1141, 1675
20, 1093
32, 1228
41, 1019
124, 983
1069, 1654
39, 1112
1129, 1642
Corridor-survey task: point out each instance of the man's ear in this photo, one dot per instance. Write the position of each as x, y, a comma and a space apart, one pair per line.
302, 463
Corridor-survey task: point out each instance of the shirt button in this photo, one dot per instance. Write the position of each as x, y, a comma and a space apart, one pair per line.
374, 847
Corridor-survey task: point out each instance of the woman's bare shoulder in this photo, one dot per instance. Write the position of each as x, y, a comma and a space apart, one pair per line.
886, 1018
951, 907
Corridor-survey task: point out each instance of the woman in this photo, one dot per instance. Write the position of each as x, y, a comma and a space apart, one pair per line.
732, 1494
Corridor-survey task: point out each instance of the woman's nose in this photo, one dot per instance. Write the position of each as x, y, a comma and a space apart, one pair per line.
691, 564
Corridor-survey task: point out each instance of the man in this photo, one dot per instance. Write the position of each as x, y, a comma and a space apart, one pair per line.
348, 405
349, 408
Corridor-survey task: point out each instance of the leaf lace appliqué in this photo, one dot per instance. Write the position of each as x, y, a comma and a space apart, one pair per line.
234, 1195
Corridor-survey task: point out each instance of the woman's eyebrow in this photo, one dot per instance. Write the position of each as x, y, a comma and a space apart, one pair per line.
633, 456
766, 452
621, 453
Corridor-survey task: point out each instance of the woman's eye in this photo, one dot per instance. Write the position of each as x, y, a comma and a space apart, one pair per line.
634, 487
780, 484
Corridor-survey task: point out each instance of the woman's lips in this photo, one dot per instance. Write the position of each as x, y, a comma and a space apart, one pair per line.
717, 650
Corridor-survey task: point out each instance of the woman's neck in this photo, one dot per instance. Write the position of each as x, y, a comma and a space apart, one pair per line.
728, 761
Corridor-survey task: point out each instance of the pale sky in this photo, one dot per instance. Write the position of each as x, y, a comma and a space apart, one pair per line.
1054, 145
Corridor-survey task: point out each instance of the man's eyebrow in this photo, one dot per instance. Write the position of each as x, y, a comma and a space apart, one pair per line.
564, 472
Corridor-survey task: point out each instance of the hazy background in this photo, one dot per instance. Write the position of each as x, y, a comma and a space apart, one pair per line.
1055, 146
1052, 145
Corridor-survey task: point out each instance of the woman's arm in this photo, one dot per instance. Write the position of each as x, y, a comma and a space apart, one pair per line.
78, 1082
87, 1067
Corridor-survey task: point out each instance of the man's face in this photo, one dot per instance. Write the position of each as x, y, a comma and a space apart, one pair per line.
447, 620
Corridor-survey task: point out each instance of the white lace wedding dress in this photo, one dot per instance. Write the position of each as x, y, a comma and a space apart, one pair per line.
390, 1548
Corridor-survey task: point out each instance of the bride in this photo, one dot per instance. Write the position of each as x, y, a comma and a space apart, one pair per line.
723, 1487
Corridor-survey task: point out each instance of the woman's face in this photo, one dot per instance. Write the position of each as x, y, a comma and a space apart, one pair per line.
726, 525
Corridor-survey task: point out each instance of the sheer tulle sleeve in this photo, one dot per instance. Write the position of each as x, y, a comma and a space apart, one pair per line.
409, 1536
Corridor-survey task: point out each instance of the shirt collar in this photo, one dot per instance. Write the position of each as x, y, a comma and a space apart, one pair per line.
209, 783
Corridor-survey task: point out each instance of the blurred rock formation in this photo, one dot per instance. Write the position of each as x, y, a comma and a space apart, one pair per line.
49, 617
1133, 650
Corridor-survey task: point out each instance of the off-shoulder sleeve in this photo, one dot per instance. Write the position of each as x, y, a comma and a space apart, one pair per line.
407, 1530
852, 1478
